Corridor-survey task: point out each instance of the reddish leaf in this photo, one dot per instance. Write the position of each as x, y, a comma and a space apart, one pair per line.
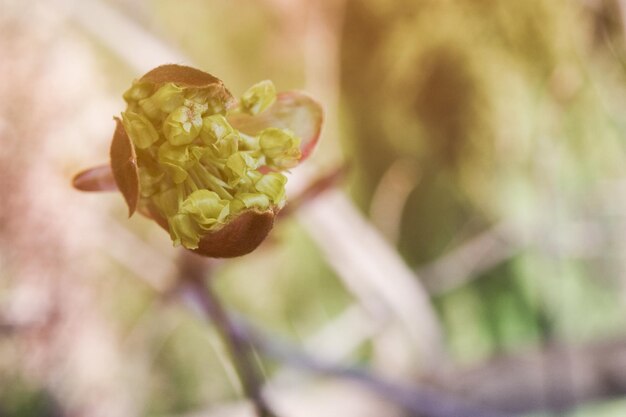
98, 178
292, 110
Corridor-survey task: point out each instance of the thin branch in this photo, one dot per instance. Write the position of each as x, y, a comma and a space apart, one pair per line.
502, 387
240, 337
416, 401
516, 383
510, 385
194, 287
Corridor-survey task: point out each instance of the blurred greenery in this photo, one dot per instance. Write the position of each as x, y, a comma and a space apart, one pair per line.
509, 111
22, 399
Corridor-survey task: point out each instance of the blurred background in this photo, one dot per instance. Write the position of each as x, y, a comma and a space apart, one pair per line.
476, 246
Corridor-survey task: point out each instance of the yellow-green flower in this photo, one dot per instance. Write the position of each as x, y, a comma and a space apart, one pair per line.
258, 97
280, 147
139, 129
203, 165
204, 177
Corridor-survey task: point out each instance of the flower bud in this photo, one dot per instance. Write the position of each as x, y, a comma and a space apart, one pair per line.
250, 200
165, 99
139, 129
175, 160
182, 125
239, 163
280, 147
273, 186
138, 91
215, 128
206, 208
184, 230
258, 97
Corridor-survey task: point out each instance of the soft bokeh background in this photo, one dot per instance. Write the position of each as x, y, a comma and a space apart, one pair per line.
477, 243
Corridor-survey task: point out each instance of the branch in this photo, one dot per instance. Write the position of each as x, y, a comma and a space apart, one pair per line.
193, 277
417, 401
240, 336
557, 377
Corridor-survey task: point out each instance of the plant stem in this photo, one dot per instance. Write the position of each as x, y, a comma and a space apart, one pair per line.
236, 342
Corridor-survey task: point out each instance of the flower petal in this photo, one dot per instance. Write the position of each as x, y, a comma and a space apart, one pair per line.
292, 110
124, 166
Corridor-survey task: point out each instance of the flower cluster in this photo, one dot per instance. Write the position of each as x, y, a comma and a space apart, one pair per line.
195, 169
205, 166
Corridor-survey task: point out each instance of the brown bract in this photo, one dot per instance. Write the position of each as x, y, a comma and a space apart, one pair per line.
124, 166
189, 78
240, 236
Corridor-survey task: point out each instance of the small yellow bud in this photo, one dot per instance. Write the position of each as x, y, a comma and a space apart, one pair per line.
280, 147
175, 160
252, 200
182, 125
258, 97
215, 128
139, 129
273, 186
206, 208
184, 231
166, 99
240, 163
138, 91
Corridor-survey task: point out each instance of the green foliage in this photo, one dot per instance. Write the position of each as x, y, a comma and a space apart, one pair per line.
264, 287
19, 399
509, 111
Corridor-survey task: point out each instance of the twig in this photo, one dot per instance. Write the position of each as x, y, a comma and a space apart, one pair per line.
416, 401
601, 368
240, 337
194, 286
